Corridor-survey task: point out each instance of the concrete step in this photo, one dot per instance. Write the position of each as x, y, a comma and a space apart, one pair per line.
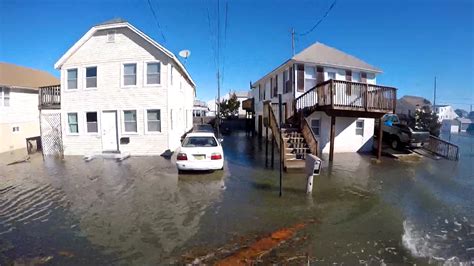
295, 164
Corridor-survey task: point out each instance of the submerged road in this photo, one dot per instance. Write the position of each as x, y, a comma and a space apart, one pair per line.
141, 212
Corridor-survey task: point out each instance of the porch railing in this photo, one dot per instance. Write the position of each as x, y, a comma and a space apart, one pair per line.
50, 97
348, 95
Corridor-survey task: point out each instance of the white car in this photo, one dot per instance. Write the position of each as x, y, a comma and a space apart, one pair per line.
200, 151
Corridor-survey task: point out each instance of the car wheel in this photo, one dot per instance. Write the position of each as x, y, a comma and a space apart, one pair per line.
395, 143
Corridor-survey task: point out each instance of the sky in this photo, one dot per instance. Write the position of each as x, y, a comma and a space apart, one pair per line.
412, 41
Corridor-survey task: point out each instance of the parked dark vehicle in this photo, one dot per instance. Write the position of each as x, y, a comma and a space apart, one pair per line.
399, 135
203, 128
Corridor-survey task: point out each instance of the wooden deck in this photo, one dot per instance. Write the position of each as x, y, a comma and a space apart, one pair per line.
49, 97
350, 99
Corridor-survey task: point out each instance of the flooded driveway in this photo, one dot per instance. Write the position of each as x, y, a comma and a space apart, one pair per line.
141, 212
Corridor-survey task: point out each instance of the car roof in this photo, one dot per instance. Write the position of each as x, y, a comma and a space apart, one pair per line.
200, 134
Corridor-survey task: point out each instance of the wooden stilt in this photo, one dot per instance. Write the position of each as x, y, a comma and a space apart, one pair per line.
379, 140
266, 146
333, 135
273, 150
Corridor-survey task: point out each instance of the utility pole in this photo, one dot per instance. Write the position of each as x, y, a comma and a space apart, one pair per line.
218, 104
434, 98
293, 41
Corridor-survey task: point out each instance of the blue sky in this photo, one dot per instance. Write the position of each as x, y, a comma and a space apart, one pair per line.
410, 40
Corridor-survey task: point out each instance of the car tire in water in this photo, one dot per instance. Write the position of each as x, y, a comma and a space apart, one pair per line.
395, 143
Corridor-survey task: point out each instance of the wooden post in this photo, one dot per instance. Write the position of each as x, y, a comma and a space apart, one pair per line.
273, 150
379, 140
333, 135
266, 145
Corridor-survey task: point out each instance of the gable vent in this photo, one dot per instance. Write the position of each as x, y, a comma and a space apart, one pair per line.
111, 36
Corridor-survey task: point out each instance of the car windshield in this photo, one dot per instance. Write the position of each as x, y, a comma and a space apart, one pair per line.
200, 142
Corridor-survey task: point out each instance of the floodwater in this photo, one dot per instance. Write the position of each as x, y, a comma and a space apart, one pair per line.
141, 212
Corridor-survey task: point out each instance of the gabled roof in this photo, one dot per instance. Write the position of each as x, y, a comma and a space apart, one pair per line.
115, 24
24, 77
324, 55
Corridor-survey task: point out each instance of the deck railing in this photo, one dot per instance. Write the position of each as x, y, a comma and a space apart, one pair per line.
442, 148
348, 95
273, 124
50, 97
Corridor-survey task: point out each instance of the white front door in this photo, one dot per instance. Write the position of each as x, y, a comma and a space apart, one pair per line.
109, 131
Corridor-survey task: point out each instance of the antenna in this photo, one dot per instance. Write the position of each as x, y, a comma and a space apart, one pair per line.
184, 54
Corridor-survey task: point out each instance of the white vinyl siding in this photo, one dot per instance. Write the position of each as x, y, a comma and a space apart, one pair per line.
72, 79
73, 123
129, 74
153, 73
130, 121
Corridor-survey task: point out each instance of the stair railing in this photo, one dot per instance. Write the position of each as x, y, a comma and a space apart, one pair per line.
442, 148
273, 123
309, 137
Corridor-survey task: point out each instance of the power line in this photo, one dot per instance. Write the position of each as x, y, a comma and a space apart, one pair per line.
225, 41
156, 20
320, 20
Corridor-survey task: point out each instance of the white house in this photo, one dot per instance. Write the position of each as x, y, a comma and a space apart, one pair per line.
445, 112
356, 99
121, 91
19, 115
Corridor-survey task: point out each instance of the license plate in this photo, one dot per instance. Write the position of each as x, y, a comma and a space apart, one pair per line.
199, 156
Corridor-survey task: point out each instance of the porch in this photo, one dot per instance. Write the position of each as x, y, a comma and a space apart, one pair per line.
49, 97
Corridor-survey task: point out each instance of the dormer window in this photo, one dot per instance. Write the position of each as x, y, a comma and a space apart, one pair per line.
111, 36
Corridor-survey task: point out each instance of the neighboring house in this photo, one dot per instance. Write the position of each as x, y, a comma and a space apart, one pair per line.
121, 91
306, 82
465, 123
19, 116
241, 96
407, 105
445, 112
200, 108
450, 125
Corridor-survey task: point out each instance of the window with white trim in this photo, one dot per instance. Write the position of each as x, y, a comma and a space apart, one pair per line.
332, 75
153, 73
91, 121
4, 96
73, 124
286, 81
130, 121
91, 77
360, 127
72, 79
153, 120
130, 74
309, 77
356, 77
315, 126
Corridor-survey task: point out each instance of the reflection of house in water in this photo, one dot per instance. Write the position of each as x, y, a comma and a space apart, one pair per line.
137, 208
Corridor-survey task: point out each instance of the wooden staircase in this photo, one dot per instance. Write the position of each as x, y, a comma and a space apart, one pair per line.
297, 142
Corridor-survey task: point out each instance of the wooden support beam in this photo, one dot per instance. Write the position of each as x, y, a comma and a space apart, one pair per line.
333, 135
379, 140
266, 146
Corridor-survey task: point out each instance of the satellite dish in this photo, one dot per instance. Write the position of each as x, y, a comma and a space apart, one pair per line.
185, 54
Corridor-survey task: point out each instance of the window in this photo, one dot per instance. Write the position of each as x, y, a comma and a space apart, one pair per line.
91, 120
200, 142
259, 92
153, 73
275, 86
72, 122
286, 81
91, 77
171, 75
130, 120
315, 126
130, 74
356, 77
72, 79
4, 96
309, 77
332, 75
360, 127
111, 36
153, 120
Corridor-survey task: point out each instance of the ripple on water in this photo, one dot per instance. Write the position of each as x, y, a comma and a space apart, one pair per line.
23, 205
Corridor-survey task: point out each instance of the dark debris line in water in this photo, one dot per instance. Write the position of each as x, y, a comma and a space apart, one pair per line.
140, 211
